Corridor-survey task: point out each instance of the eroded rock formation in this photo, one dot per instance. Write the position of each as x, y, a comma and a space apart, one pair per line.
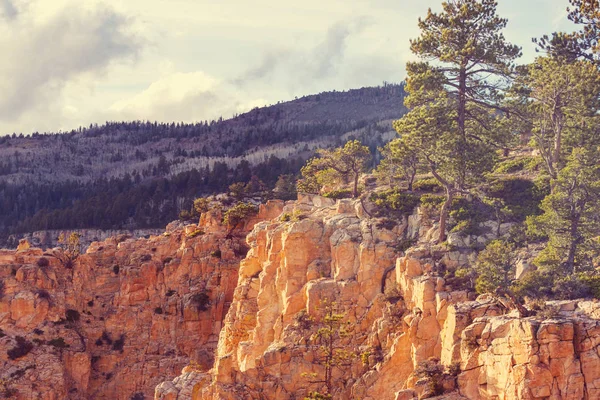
128, 315
402, 314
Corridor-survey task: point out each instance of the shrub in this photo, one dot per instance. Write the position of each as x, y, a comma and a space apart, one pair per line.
138, 396
38, 331
119, 343
116, 269
510, 166
90, 303
428, 185
2, 334
303, 320
432, 200
22, 348
72, 315
521, 197
338, 194
431, 372
59, 343
216, 253
170, 293
146, 258
238, 213
285, 217
201, 301
394, 202
43, 294
158, 310
106, 338
194, 233
1, 288
43, 262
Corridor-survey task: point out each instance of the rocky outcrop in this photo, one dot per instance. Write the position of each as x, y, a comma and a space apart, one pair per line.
131, 312
401, 316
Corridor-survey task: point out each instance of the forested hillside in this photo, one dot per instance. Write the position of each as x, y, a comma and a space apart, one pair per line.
142, 174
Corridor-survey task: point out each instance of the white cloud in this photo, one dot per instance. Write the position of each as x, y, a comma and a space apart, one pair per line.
69, 62
46, 49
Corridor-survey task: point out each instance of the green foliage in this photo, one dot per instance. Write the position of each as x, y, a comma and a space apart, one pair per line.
194, 233
70, 249
338, 194
560, 101
285, 187
216, 253
339, 166
394, 202
399, 163
327, 342
238, 213
495, 267
514, 199
512, 165
571, 218
201, 205
200, 300
428, 185
59, 343
21, 349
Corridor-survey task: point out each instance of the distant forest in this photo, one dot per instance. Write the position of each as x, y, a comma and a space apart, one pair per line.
142, 174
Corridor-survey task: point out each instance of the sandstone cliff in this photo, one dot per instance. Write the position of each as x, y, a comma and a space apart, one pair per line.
243, 316
128, 315
411, 331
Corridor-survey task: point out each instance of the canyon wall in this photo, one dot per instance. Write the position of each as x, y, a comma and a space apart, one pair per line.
204, 312
410, 330
130, 313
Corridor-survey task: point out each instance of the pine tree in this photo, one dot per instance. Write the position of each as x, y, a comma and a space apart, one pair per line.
341, 165
456, 91
559, 102
571, 218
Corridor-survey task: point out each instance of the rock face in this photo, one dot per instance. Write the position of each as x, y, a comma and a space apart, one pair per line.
128, 315
400, 315
200, 312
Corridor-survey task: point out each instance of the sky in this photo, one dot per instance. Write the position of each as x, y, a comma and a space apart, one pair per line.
70, 63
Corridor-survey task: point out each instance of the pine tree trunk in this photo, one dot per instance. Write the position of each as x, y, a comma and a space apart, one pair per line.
355, 189
444, 215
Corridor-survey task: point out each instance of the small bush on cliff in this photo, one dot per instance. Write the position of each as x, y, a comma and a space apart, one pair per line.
138, 396
238, 213
330, 348
70, 249
59, 343
428, 185
200, 300
72, 315
22, 348
43, 262
430, 373
1, 288
394, 202
119, 343
495, 267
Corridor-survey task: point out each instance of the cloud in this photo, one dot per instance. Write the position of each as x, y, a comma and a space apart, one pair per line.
176, 97
49, 51
296, 67
8, 9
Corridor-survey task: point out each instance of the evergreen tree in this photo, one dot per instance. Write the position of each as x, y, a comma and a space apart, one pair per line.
571, 218
583, 44
559, 103
342, 165
455, 93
